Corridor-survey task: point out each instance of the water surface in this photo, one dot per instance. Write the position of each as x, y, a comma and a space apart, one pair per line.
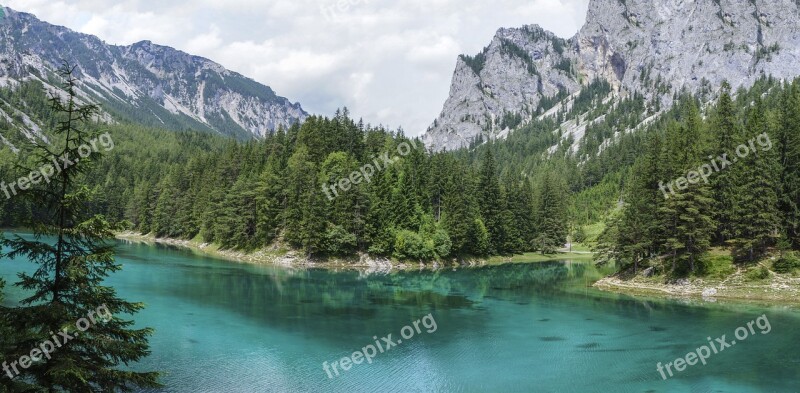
225, 327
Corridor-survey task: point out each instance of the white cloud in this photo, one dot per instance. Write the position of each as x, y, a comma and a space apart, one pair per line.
388, 61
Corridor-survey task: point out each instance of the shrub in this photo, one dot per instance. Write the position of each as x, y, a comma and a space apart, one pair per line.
787, 264
338, 241
760, 273
715, 266
410, 245
580, 235
442, 243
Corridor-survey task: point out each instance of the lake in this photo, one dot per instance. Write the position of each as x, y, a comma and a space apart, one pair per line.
227, 327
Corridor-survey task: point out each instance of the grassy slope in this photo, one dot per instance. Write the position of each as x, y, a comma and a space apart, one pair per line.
717, 278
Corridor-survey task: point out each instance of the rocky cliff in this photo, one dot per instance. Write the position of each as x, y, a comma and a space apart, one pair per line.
651, 47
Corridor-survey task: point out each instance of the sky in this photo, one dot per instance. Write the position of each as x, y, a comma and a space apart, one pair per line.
389, 62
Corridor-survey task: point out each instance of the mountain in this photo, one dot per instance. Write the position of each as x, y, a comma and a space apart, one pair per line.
145, 83
654, 48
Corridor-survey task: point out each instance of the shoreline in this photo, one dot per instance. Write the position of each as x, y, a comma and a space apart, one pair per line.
362, 262
778, 290
291, 259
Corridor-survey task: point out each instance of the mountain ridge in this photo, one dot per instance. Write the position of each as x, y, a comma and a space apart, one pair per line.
144, 82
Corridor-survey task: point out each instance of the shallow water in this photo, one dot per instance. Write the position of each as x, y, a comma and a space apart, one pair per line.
224, 327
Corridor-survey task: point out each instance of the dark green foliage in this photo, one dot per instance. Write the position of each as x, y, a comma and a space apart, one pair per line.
788, 146
285, 190
787, 263
565, 65
476, 63
748, 204
68, 281
552, 223
755, 220
492, 204
689, 221
727, 133
510, 120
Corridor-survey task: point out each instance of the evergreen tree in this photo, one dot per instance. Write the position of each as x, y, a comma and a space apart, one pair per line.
551, 215
67, 284
346, 211
492, 204
458, 212
520, 210
238, 219
270, 202
788, 142
728, 134
756, 221
305, 211
638, 214
691, 207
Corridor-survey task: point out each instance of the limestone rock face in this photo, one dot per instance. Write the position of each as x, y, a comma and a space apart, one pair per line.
653, 47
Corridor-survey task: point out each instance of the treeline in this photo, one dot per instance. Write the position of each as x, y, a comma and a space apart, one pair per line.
250, 195
421, 207
748, 150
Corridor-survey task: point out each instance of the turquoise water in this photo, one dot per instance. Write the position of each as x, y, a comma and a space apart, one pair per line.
224, 327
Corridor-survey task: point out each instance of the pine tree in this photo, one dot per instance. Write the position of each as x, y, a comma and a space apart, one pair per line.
458, 212
270, 201
788, 142
639, 212
306, 219
756, 221
727, 133
691, 207
492, 204
238, 220
345, 210
520, 209
551, 215
67, 284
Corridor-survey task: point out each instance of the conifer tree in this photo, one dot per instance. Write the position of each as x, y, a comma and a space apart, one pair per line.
728, 135
691, 206
73, 252
458, 208
551, 215
520, 209
639, 212
492, 204
788, 146
755, 216
306, 206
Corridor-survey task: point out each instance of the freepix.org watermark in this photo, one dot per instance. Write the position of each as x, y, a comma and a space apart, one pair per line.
385, 344
703, 353
47, 171
718, 164
365, 173
48, 347
332, 11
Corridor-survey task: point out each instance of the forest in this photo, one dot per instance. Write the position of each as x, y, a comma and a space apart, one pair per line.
748, 205
254, 194
495, 198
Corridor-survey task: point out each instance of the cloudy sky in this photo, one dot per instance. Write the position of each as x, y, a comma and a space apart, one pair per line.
389, 61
